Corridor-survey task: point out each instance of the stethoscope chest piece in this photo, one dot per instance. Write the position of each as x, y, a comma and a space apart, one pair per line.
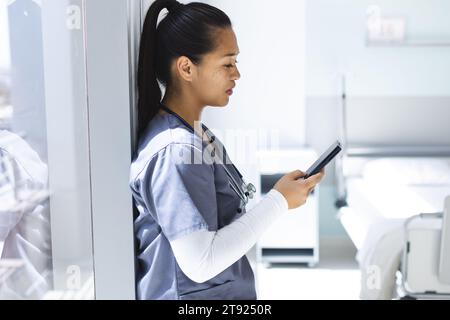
250, 190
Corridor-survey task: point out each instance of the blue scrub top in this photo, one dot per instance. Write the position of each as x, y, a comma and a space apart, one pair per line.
179, 189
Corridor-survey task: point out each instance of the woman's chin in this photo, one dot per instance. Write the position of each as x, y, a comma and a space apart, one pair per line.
226, 101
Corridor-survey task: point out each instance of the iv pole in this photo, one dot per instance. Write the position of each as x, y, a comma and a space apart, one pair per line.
340, 179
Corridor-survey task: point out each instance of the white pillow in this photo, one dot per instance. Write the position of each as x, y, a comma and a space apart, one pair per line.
408, 171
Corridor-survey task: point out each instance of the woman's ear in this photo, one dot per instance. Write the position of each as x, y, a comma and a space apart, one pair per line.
184, 68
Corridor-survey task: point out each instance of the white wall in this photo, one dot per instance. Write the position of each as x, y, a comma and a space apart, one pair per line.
383, 83
336, 44
270, 94
392, 77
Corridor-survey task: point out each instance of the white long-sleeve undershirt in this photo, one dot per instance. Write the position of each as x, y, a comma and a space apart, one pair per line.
204, 254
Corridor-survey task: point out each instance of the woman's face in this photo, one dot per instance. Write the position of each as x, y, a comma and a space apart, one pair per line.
215, 77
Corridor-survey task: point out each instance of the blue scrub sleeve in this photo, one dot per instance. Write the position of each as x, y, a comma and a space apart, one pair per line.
182, 191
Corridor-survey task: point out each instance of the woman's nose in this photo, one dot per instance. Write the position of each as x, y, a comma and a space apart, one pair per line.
236, 74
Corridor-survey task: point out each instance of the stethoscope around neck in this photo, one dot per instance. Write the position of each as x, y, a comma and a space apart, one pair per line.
243, 190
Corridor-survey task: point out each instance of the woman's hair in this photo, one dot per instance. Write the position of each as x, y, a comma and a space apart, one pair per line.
187, 30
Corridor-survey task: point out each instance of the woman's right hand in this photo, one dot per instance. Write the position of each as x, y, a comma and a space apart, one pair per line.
295, 189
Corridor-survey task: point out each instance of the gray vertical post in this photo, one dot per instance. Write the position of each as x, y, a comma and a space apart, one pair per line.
107, 58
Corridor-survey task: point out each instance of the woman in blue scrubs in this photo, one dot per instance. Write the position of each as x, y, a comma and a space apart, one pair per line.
192, 229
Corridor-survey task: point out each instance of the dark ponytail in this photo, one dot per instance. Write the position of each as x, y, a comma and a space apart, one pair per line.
187, 30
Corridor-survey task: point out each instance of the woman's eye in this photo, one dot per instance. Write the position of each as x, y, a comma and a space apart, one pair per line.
231, 65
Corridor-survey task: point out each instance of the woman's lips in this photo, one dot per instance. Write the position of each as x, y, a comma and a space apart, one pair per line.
230, 92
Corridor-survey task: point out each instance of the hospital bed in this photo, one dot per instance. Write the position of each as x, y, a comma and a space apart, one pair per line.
382, 194
392, 184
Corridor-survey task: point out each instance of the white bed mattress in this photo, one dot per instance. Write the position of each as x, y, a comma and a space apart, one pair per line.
387, 190
374, 204
381, 197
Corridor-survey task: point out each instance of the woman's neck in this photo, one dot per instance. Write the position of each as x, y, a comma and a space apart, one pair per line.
185, 107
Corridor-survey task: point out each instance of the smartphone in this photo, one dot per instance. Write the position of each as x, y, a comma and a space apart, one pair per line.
324, 159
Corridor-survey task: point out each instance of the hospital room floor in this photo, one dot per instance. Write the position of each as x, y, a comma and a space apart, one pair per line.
335, 277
